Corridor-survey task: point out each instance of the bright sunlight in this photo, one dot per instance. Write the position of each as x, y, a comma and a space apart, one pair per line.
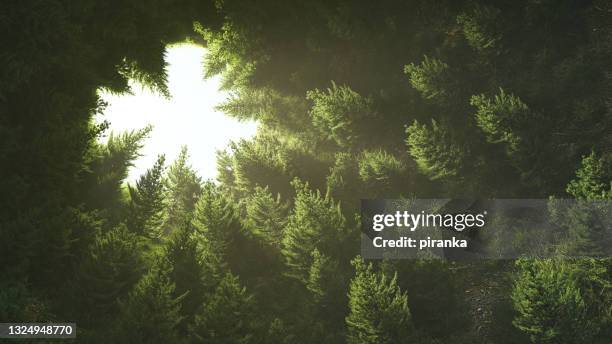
187, 118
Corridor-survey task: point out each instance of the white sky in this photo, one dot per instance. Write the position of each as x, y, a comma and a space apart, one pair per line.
188, 118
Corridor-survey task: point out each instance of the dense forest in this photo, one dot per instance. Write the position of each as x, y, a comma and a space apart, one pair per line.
354, 100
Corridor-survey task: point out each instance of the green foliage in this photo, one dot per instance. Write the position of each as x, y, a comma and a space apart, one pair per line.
151, 313
227, 316
188, 273
315, 223
109, 168
502, 118
147, 202
327, 284
586, 218
378, 308
262, 161
183, 187
226, 49
343, 182
268, 160
66, 253
111, 267
265, 216
381, 172
340, 114
593, 179
563, 301
482, 27
215, 220
431, 78
271, 108
435, 151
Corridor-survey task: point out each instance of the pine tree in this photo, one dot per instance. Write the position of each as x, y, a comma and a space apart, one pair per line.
227, 316
315, 223
188, 273
570, 301
147, 202
261, 161
436, 151
271, 109
431, 78
111, 267
151, 313
561, 301
382, 173
482, 26
378, 309
327, 284
109, 168
587, 219
265, 216
183, 187
268, 160
216, 224
344, 182
503, 119
340, 114
593, 179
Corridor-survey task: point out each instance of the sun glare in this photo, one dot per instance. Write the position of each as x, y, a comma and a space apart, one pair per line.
187, 118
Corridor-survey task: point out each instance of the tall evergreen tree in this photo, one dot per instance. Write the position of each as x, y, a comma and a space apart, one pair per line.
109, 168
111, 267
378, 309
146, 214
563, 301
340, 114
265, 216
188, 273
315, 223
216, 223
151, 313
227, 316
437, 151
183, 188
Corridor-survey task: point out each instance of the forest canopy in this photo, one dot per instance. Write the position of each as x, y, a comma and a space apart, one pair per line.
354, 100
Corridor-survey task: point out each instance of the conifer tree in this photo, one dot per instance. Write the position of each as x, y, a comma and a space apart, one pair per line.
570, 301
587, 219
327, 284
216, 223
482, 26
188, 273
503, 119
378, 309
261, 161
147, 202
315, 223
431, 78
268, 160
183, 187
382, 173
265, 216
563, 301
593, 179
151, 313
62, 192
111, 267
227, 316
436, 151
109, 168
340, 114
